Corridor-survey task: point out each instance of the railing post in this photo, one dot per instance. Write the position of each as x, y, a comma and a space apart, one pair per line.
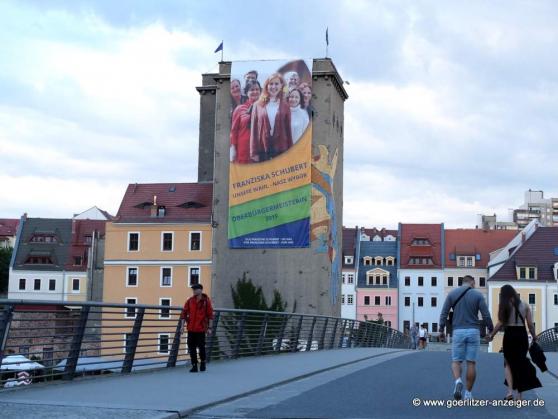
173, 355
282, 332
344, 327
131, 348
75, 348
322, 340
213, 335
311, 336
366, 332
351, 331
261, 337
295, 346
239, 335
5, 323
332, 339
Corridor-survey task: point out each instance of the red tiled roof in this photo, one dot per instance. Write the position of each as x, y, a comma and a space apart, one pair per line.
432, 232
196, 193
79, 245
540, 250
8, 226
382, 233
470, 242
349, 236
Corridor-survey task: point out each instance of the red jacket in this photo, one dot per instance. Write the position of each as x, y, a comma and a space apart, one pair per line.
262, 143
197, 313
240, 132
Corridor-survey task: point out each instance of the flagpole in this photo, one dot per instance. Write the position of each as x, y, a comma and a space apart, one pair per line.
222, 49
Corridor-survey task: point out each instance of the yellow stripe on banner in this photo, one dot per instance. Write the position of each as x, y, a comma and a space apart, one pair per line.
289, 170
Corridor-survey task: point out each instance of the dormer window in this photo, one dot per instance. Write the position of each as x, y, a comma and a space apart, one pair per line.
526, 272
367, 261
419, 241
88, 239
390, 261
378, 261
191, 204
421, 261
38, 260
43, 238
161, 211
466, 261
348, 260
77, 260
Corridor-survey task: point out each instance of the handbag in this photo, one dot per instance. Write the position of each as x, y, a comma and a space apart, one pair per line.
449, 320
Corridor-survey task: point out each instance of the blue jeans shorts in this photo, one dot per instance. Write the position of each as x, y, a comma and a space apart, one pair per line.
465, 345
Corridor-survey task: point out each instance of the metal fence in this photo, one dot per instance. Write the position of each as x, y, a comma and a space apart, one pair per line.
43, 341
548, 340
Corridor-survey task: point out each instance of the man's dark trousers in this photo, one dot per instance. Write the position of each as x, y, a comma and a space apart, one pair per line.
196, 340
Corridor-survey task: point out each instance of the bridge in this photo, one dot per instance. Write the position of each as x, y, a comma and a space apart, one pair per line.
117, 361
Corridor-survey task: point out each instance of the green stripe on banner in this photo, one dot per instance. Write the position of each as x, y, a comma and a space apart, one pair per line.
270, 211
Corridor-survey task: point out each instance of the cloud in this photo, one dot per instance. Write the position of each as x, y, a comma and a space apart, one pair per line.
451, 110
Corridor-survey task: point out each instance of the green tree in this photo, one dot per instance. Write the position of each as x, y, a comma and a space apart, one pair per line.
5, 257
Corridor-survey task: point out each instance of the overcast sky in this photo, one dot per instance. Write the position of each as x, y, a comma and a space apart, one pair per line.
452, 111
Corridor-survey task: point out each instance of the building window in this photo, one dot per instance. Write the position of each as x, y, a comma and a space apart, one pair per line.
532, 273
195, 241
420, 281
384, 279
165, 311
433, 301
434, 327
161, 211
348, 260
556, 299
88, 239
482, 282
367, 261
133, 242
342, 278
342, 298
407, 281
130, 312
194, 275
531, 298
37, 285
77, 260
22, 284
350, 299
367, 300
132, 277
407, 301
420, 242
406, 324
379, 261
75, 285
459, 281
470, 262
388, 300
377, 300
420, 301
166, 277
434, 281
388, 323
52, 284
167, 241
350, 278
163, 344
450, 281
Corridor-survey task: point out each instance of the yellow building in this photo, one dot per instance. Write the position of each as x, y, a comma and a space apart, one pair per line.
530, 270
158, 246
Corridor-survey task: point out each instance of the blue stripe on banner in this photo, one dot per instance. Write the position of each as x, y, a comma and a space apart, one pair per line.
294, 234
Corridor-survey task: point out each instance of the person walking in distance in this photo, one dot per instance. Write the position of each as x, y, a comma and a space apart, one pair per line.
197, 313
466, 303
414, 335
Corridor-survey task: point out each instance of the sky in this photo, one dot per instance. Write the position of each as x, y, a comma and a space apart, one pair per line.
452, 108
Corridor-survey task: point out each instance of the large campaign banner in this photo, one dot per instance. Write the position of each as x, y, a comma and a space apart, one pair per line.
270, 154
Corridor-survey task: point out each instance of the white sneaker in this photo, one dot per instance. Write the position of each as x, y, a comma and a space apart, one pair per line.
457, 389
468, 395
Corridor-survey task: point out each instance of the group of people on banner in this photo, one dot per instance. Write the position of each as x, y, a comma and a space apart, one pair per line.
268, 120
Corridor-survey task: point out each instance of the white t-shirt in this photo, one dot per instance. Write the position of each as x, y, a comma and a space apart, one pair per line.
422, 332
272, 108
299, 122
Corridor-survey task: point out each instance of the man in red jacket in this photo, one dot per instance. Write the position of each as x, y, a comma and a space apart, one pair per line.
197, 313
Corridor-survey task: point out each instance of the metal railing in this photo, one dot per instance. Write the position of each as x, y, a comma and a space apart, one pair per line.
62, 340
548, 340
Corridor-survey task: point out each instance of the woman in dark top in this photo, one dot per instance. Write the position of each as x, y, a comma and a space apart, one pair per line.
519, 371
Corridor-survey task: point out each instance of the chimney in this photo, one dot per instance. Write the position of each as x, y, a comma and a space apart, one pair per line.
522, 237
153, 212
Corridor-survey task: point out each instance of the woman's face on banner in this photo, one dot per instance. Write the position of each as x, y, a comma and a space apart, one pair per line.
307, 93
254, 93
294, 80
235, 88
274, 87
294, 98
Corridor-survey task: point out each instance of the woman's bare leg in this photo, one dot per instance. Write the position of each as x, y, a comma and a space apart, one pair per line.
509, 378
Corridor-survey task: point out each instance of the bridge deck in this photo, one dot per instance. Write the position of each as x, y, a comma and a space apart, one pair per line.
358, 383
